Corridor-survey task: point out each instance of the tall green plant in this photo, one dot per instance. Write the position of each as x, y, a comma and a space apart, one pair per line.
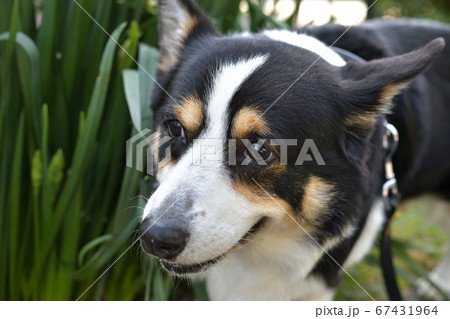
65, 194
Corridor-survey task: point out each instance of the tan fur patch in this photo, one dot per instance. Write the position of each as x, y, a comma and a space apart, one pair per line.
190, 113
276, 208
388, 94
362, 120
317, 196
248, 120
165, 165
366, 120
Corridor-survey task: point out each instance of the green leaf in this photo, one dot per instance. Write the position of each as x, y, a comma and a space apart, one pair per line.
148, 62
91, 245
28, 65
46, 39
131, 87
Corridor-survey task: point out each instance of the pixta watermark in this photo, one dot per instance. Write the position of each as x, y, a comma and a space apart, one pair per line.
148, 150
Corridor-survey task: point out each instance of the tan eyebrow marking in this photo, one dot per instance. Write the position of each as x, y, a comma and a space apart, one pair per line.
190, 113
248, 120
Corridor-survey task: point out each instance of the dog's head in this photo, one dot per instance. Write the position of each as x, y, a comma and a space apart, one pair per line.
268, 133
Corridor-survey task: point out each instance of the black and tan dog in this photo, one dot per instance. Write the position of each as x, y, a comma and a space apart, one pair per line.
249, 216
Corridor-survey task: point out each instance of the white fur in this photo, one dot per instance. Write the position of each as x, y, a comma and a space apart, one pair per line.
226, 83
219, 216
308, 43
371, 228
272, 266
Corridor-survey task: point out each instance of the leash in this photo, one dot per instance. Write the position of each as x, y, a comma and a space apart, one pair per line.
390, 194
391, 198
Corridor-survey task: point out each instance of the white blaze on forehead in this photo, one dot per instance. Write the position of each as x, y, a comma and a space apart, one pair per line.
218, 216
198, 162
227, 81
308, 43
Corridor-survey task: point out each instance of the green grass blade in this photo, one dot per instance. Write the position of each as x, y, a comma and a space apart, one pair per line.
6, 99
36, 183
68, 251
91, 245
150, 264
46, 209
77, 35
29, 74
15, 210
46, 40
27, 17
5, 15
90, 58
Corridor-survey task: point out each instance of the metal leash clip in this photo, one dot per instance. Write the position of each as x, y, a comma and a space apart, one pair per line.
390, 189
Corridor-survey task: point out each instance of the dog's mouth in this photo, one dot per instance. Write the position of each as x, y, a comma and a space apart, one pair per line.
178, 269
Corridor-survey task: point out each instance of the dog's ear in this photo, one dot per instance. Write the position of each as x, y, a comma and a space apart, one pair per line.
179, 20
370, 87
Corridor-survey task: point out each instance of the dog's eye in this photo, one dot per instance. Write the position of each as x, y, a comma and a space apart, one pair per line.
263, 150
175, 129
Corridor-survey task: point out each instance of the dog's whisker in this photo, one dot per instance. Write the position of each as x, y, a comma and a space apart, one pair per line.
130, 208
139, 196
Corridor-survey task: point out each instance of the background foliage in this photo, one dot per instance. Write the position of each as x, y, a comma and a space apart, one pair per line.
68, 204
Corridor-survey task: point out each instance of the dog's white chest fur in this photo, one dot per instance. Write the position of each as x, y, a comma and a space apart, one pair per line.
240, 281
272, 267
243, 278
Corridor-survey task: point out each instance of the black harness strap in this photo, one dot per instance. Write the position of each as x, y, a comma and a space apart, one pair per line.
391, 196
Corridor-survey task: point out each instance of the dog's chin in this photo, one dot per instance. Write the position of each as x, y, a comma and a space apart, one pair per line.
186, 270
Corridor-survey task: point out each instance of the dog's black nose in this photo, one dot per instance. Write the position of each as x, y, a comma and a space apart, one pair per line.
162, 242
